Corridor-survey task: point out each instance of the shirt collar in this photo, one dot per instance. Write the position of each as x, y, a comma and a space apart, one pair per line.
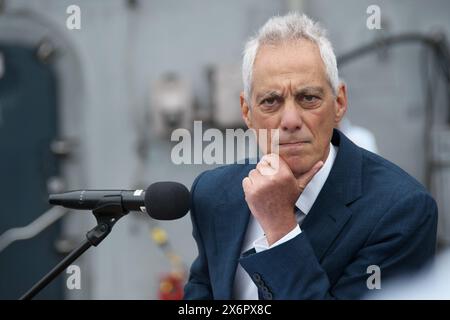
312, 189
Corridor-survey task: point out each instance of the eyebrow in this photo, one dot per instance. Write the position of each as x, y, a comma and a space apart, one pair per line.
309, 90
302, 91
269, 94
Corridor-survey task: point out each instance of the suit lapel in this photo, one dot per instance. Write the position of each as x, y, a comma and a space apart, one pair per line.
330, 213
324, 222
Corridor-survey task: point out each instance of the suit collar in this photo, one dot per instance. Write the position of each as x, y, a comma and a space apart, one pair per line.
330, 213
346, 175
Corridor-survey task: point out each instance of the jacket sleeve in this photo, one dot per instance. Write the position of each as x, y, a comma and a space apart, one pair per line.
198, 286
402, 240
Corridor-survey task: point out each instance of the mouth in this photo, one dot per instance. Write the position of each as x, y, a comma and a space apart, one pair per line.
294, 144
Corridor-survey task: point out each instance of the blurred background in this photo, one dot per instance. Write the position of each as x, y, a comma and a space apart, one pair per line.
94, 108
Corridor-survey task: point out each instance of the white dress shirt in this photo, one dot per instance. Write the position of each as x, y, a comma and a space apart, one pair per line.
244, 288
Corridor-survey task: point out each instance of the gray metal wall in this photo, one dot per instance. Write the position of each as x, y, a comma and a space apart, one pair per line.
119, 53
386, 93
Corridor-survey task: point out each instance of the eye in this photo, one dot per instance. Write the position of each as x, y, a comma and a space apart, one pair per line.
269, 102
310, 101
309, 98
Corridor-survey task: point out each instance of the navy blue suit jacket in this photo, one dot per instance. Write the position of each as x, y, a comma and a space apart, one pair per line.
369, 212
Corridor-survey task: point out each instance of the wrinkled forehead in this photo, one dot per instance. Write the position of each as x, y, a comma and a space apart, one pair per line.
298, 61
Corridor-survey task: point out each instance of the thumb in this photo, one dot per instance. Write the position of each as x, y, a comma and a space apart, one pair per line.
305, 178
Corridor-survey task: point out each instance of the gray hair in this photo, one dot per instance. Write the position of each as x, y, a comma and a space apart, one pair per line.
293, 26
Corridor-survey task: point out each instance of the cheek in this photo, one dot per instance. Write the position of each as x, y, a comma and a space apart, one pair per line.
321, 124
264, 125
322, 121
265, 121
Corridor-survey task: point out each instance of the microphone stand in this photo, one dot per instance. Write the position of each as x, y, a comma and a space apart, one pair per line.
107, 213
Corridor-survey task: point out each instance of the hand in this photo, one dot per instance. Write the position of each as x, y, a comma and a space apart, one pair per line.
271, 191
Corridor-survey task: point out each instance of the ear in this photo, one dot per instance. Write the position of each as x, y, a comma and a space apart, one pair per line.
340, 104
245, 110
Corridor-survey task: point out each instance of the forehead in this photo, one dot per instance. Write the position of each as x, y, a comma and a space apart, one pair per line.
296, 61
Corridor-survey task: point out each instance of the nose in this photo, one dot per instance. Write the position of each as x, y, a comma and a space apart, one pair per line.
291, 119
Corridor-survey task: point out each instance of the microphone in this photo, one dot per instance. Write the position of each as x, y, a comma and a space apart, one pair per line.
162, 200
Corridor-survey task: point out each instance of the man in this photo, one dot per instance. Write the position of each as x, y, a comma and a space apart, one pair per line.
311, 222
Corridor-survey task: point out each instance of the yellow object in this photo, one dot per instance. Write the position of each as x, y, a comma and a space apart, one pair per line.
159, 235
166, 286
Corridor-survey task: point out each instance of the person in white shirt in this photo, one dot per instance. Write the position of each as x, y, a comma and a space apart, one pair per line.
317, 211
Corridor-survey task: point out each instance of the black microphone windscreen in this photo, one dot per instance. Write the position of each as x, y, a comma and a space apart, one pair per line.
167, 200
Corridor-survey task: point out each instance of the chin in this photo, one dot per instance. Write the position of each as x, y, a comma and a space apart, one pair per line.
298, 164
